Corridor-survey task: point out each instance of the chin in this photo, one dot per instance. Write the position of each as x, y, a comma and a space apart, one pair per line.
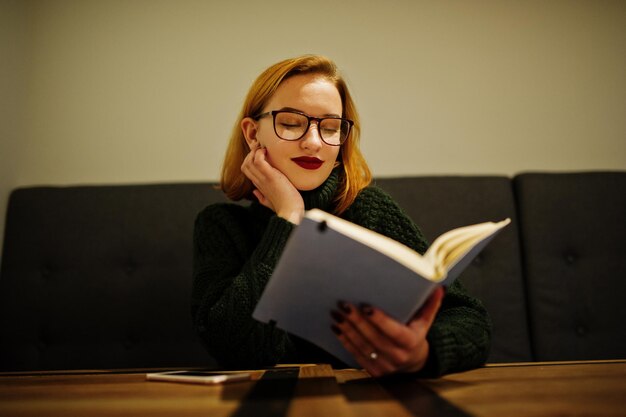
307, 181
308, 185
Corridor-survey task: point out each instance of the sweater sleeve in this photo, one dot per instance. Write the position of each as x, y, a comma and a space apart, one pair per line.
460, 336
229, 274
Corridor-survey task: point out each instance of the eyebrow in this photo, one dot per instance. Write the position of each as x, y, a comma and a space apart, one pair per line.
300, 111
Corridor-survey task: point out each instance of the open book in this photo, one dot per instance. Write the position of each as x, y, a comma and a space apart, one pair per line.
328, 259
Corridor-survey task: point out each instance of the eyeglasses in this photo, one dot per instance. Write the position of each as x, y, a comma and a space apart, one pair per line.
293, 125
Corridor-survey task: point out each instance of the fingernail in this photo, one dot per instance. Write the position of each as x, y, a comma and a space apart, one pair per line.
367, 309
343, 306
337, 316
335, 329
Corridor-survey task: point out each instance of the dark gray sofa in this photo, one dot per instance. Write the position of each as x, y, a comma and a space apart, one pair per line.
98, 277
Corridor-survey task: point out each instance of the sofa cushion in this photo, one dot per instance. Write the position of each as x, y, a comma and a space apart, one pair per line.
440, 203
100, 277
574, 240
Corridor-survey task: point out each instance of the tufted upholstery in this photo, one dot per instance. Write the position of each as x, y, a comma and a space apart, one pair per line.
99, 276
574, 241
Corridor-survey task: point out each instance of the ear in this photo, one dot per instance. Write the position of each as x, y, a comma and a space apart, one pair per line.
249, 128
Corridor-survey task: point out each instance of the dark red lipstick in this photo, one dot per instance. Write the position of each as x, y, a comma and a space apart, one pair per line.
308, 162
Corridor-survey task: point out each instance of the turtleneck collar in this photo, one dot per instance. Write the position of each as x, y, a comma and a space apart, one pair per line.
322, 197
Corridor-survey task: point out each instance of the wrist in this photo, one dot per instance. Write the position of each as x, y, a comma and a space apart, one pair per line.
293, 216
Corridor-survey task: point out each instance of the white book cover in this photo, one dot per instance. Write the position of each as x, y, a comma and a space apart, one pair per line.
328, 259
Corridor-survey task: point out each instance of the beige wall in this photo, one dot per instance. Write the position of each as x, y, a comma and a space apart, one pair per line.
147, 91
12, 87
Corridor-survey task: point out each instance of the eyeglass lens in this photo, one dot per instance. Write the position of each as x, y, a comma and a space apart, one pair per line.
292, 126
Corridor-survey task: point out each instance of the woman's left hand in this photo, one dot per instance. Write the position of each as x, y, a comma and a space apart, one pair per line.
382, 345
272, 188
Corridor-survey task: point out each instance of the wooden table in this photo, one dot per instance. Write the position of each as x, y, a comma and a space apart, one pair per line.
536, 389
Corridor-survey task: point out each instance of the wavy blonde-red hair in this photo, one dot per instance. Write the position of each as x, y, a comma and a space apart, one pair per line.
356, 174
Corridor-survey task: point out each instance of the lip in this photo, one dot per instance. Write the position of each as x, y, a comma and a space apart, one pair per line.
308, 162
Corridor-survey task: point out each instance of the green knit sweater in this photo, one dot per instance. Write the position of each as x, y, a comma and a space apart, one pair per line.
236, 249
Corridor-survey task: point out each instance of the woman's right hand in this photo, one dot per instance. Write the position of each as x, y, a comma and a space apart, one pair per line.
272, 188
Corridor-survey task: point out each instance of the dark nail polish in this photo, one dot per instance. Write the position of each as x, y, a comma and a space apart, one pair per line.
335, 329
367, 309
343, 306
337, 316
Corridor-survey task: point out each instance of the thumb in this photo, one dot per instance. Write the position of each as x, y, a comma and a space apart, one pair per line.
426, 316
264, 201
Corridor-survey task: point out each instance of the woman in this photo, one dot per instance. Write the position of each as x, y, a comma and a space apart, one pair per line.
295, 147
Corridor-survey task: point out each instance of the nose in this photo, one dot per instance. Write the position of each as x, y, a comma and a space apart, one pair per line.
312, 139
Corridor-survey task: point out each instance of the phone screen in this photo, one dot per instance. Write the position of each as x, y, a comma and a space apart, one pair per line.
198, 377
194, 373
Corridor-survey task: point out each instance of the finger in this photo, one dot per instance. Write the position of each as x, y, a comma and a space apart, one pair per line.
392, 338
407, 337
264, 201
261, 162
250, 170
426, 316
251, 174
257, 168
259, 195
266, 173
258, 154
365, 338
376, 366
247, 161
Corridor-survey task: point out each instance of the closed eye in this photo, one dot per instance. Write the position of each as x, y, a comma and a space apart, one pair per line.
287, 125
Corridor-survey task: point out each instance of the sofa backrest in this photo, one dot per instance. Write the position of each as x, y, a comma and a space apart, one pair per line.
573, 229
440, 203
100, 277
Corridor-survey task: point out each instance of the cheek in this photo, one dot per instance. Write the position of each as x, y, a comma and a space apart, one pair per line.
266, 136
275, 153
333, 154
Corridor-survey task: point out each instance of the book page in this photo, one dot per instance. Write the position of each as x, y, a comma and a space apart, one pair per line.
393, 249
453, 245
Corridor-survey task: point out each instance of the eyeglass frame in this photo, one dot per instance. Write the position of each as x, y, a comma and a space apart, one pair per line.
273, 113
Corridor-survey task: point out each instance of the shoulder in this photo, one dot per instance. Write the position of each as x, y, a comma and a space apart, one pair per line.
373, 199
221, 216
373, 192
220, 227
219, 212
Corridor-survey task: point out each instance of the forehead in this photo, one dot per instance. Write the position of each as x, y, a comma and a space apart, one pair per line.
310, 93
